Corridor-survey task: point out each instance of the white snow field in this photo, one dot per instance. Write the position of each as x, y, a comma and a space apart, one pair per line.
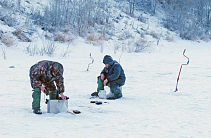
149, 107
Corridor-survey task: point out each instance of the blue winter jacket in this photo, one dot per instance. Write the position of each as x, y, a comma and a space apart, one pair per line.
114, 72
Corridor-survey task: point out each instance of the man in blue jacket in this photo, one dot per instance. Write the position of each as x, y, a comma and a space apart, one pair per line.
113, 76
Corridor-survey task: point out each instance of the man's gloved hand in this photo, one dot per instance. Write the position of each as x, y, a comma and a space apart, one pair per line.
105, 82
102, 76
43, 89
62, 96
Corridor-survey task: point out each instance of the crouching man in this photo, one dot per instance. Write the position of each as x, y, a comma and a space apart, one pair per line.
113, 76
43, 75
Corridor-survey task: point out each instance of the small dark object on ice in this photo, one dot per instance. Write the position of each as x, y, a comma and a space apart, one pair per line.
76, 111
11, 66
98, 102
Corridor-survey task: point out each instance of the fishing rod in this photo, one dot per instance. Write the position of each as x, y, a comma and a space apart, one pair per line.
181, 70
91, 62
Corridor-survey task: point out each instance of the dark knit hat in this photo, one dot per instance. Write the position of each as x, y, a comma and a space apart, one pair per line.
108, 60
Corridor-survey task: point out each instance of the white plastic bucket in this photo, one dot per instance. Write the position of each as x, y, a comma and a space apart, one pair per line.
102, 94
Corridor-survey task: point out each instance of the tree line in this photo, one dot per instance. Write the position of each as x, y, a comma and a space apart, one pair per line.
189, 18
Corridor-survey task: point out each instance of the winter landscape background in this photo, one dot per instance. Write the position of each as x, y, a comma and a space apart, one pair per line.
146, 37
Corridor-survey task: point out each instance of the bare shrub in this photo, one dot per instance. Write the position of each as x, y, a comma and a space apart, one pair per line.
154, 34
1, 33
32, 49
63, 37
101, 47
194, 38
66, 51
70, 38
67, 30
169, 38
21, 36
116, 47
103, 37
49, 47
47, 35
60, 37
205, 38
130, 46
4, 51
93, 37
8, 39
143, 35
142, 19
122, 37
185, 35
18, 31
141, 45
10, 20
97, 40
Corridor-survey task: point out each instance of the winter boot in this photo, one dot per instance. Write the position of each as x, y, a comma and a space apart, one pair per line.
94, 94
115, 95
36, 99
115, 91
100, 86
53, 94
37, 111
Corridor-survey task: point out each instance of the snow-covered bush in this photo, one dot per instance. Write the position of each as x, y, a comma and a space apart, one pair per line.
116, 47
129, 46
1, 33
141, 44
154, 34
78, 14
205, 38
93, 38
8, 39
3, 50
169, 38
142, 19
21, 35
60, 37
32, 49
49, 47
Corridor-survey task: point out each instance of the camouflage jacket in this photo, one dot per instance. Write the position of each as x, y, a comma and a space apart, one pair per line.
46, 72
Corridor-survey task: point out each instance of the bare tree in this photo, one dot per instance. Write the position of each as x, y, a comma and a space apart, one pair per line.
132, 6
153, 6
4, 51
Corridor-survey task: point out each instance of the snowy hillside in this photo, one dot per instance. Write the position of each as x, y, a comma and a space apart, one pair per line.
149, 107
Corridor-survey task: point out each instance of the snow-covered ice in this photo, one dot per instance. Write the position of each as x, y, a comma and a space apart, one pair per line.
149, 108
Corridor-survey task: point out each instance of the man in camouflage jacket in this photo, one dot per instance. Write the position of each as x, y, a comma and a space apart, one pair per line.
113, 76
43, 75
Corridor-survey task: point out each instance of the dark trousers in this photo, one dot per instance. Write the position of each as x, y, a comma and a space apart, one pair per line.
114, 85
